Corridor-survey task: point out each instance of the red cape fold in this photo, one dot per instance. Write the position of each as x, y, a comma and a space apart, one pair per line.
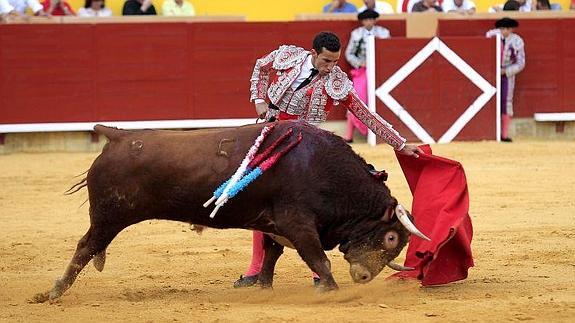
441, 212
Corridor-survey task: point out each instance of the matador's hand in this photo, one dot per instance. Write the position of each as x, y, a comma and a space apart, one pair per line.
411, 150
262, 109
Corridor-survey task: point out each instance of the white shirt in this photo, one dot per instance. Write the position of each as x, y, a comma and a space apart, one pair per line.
304, 73
21, 5
89, 12
5, 7
355, 50
382, 8
449, 5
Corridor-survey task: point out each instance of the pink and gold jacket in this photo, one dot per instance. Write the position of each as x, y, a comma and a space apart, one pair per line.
274, 74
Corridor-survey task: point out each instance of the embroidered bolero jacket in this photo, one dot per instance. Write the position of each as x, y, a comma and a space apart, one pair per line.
274, 74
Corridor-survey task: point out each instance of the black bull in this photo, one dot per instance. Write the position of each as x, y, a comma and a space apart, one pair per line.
318, 196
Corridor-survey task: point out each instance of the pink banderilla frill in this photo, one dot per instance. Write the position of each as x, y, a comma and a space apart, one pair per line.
242, 168
252, 171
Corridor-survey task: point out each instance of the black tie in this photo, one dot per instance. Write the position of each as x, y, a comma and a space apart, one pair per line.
308, 79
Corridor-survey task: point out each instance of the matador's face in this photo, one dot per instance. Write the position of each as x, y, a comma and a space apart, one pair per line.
506, 31
325, 60
368, 23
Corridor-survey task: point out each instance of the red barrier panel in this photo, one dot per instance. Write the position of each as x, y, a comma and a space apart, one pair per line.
142, 71
436, 94
548, 82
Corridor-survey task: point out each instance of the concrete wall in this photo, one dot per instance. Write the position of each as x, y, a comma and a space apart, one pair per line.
529, 128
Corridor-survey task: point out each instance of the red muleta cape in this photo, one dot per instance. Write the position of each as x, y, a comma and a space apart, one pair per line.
441, 211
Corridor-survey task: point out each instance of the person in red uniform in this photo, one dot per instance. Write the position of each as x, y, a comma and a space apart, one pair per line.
292, 83
58, 8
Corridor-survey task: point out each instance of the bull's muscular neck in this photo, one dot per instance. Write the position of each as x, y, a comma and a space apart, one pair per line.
358, 216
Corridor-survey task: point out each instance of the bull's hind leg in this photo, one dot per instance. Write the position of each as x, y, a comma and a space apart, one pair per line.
92, 243
273, 251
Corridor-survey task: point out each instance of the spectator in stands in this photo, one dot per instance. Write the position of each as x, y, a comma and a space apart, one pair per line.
138, 8
6, 9
178, 8
556, 6
524, 6
512, 62
426, 6
511, 5
356, 56
58, 8
459, 6
382, 7
94, 8
18, 7
542, 5
339, 6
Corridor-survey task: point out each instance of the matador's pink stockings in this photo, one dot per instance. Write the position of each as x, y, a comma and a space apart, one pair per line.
258, 255
505, 121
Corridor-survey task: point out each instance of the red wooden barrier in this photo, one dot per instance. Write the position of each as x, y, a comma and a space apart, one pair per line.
142, 71
436, 94
548, 82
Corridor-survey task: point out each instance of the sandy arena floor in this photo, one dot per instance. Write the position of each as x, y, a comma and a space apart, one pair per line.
522, 206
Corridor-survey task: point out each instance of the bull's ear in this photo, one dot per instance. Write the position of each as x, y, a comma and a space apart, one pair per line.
388, 215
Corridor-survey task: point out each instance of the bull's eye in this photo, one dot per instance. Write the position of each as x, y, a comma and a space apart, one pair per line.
390, 240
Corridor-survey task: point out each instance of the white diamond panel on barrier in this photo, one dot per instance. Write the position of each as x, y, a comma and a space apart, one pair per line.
384, 91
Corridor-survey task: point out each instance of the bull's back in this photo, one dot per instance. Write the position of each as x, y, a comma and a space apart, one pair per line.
152, 157
170, 174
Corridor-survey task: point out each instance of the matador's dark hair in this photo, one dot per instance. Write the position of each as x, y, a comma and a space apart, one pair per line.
327, 40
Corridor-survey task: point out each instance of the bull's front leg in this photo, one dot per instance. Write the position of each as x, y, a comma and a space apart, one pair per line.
304, 236
273, 251
309, 248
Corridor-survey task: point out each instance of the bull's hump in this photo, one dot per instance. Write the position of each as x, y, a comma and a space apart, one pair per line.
109, 132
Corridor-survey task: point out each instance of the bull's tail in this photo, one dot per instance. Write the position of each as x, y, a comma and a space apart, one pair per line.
76, 187
109, 132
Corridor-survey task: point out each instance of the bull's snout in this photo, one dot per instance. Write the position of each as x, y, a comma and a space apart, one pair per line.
360, 274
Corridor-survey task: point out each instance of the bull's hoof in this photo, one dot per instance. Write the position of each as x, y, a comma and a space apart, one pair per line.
316, 281
265, 283
324, 288
246, 281
39, 298
59, 289
55, 293
266, 286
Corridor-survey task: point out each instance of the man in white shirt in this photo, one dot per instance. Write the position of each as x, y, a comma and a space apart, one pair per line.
19, 6
381, 7
459, 6
355, 54
5, 7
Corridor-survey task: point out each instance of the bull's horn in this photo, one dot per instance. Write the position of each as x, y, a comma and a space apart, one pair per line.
404, 219
398, 267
